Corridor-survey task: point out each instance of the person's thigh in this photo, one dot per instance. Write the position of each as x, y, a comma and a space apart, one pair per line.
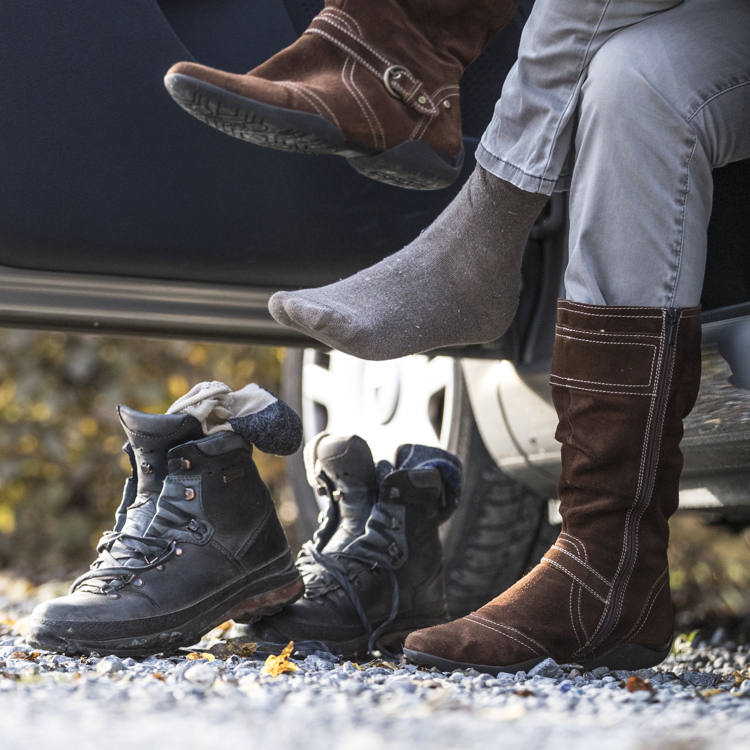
530, 137
664, 103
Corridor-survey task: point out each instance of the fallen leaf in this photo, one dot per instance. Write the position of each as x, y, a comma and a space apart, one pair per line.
276, 665
739, 678
23, 655
233, 647
711, 693
240, 647
683, 643
524, 693
192, 656
382, 663
634, 684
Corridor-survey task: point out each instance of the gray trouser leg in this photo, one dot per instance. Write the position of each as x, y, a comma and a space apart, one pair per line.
663, 103
528, 143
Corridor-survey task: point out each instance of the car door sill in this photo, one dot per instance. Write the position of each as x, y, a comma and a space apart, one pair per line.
115, 305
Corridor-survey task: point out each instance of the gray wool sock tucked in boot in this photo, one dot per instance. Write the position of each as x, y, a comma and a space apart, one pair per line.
457, 283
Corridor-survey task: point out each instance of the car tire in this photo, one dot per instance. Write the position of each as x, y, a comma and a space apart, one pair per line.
500, 529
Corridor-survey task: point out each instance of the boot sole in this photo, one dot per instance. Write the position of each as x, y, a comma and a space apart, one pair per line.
245, 602
411, 164
627, 657
356, 648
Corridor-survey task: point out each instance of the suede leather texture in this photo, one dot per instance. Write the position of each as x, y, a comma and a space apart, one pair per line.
621, 391
434, 41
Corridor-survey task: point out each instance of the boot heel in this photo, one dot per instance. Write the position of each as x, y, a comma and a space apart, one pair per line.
412, 165
631, 656
269, 603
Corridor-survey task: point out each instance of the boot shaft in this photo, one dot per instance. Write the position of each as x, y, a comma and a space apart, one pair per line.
151, 436
341, 469
215, 491
623, 379
455, 31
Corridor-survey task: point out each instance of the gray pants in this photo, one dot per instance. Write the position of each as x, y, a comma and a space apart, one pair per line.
629, 104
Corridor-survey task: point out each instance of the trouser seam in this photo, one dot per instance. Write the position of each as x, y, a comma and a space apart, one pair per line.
543, 180
715, 96
576, 89
681, 224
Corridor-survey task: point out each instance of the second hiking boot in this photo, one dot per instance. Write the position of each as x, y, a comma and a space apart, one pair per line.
209, 549
373, 572
375, 82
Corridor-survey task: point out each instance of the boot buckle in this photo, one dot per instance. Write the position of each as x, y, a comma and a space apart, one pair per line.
394, 72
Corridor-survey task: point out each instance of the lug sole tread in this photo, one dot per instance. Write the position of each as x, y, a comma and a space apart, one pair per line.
46, 636
411, 165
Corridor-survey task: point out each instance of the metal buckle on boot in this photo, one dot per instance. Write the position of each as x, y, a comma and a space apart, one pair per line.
395, 72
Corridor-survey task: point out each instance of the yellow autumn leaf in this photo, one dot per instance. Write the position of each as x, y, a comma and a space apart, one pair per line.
207, 656
276, 665
739, 678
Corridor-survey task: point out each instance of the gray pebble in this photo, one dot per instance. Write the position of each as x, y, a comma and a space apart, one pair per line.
546, 668
109, 665
201, 674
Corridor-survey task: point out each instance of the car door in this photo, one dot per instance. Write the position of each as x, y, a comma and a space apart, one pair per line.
119, 213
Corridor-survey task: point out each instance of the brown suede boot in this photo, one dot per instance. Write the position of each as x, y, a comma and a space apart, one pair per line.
623, 379
375, 82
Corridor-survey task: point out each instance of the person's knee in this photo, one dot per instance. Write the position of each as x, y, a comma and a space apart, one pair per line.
619, 85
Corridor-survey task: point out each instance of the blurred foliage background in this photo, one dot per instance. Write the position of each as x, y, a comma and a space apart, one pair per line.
62, 469
61, 463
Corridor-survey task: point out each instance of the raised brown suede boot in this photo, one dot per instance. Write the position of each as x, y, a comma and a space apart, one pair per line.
375, 82
623, 379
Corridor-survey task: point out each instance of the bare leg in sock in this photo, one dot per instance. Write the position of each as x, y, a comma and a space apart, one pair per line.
457, 283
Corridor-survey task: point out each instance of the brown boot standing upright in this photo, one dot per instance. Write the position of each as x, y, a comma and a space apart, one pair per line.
623, 379
375, 82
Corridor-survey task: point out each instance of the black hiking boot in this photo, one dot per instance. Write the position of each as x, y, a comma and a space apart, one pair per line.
373, 571
209, 549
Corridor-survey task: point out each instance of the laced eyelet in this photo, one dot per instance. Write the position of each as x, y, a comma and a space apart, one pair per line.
178, 551
193, 525
147, 467
160, 567
113, 595
138, 583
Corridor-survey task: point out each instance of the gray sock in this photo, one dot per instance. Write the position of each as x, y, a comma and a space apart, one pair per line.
457, 283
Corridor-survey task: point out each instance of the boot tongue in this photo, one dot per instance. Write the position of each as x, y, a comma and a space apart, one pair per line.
152, 436
348, 464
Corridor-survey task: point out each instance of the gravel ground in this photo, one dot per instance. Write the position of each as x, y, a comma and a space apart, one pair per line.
698, 698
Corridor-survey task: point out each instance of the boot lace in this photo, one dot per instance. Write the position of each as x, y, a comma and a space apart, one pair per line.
310, 562
122, 557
